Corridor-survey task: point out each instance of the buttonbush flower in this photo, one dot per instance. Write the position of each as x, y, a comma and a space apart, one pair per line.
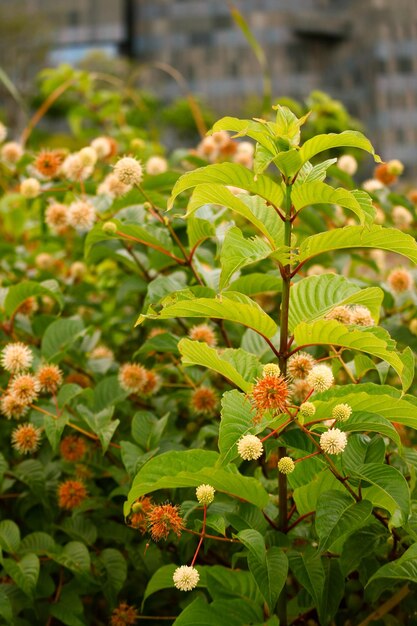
203, 332
250, 447
186, 578
71, 493
270, 392
341, 412
299, 365
333, 441
271, 369
204, 400
50, 378
361, 316
286, 465
205, 494
25, 388
400, 280
162, 519
129, 171
16, 357
26, 438
320, 378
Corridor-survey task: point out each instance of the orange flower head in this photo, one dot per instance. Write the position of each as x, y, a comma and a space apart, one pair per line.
163, 519
384, 175
156, 331
72, 448
152, 384
124, 615
28, 307
132, 377
26, 438
11, 407
204, 333
341, 314
25, 388
270, 393
299, 365
78, 379
139, 517
71, 493
412, 196
204, 400
400, 280
48, 162
50, 378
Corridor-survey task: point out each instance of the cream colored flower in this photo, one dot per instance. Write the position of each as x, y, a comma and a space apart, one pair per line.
286, 465
129, 171
250, 447
16, 357
186, 578
205, 494
30, 188
320, 378
333, 441
341, 412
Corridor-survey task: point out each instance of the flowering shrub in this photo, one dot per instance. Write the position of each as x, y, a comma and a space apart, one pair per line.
244, 453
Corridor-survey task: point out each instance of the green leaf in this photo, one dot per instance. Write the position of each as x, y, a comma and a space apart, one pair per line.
75, 557
198, 231
347, 237
268, 567
306, 496
38, 542
361, 421
389, 490
190, 468
308, 173
222, 612
333, 333
254, 284
100, 423
115, 567
108, 392
61, 335
237, 416
6, 609
349, 138
54, 427
25, 572
338, 516
238, 252
315, 296
404, 568
147, 430
308, 569
247, 128
316, 192
9, 536
362, 449
18, 294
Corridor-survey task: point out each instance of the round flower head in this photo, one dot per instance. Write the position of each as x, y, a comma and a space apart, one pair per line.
48, 163
412, 327
395, 167
109, 227
402, 217
299, 390
383, 174
186, 578
88, 156
44, 261
72, 448
299, 365
132, 377
250, 447
25, 388
74, 168
372, 184
124, 615
139, 516
102, 147
56, 217
320, 378
341, 314
3, 132
102, 352
152, 384
307, 409
12, 152
71, 493
113, 187
400, 280
164, 518
361, 316
50, 378
16, 357
77, 270
129, 171
156, 165
333, 441
12, 408
348, 164
341, 412
286, 465
204, 400
26, 438
270, 392
81, 215
205, 494
203, 332
271, 369
30, 188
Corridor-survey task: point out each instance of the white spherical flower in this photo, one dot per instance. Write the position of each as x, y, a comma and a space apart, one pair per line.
333, 441
372, 184
30, 188
307, 409
156, 165
12, 152
348, 164
75, 169
81, 215
341, 412
129, 171
205, 494
271, 369
3, 132
250, 447
112, 186
402, 217
16, 357
88, 156
320, 378
102, 147
186, 578
286, 465
361, 316
246, 147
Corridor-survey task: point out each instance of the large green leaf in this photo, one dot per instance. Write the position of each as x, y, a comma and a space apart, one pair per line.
100, 422
257, 130
254, 284
348, 138
18, 294
238, 252
347, 237
60, 336
268, 567
306, 496
25, 572
361, 421
198, 230
315, 296
230, 174
338, 516
333, 333
190, 468
222, 612
317, 192
403, 569
9, 536
232, 306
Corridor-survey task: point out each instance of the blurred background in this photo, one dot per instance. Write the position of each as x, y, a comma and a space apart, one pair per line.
233, 58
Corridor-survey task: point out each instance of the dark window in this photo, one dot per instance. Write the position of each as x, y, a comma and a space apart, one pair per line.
405, 65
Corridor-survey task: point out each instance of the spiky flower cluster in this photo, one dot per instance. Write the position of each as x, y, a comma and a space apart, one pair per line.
400, 280
204, 401
320, 378
71, 493
163, 519
124, 615
129, 171
333, 441
271, 369
299, 365
358, 315
30, 188
250, 447
307, 409
286, 465
81, 215
16, 357
204, 333
50, 378
341, 412
205, 494
270, 393
26, 438
72, 448
186, 578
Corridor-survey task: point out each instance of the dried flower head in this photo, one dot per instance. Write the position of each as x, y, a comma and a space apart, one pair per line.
48, 163
299, 390
71, 493
132, 377
270, 393
204, 333
139, 516
320, 378
56, 217
286, 465
77, 270
400, 280
361, 316
205, 494
348, 164
16, 357
271, 369
81, 215
299, 365
333, 441
341, 314
124, 615
129, 171
30, 188
156, 165
341, 412
12, 408
250, 447
12, 152
152, 384
186, 578
25, 388
50, 378
401, 217
307, 409
204, 400
26, 438
72, 448
163, 519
